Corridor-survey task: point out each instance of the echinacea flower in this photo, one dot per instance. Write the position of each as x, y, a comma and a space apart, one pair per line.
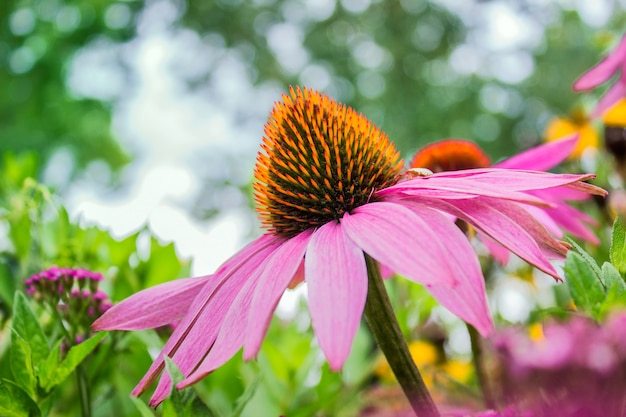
454, 154
601, 73
330, 192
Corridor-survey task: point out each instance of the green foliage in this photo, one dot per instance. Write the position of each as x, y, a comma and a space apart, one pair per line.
618, 245
14, 402
75, 356
587, 291
39, 40
598, 290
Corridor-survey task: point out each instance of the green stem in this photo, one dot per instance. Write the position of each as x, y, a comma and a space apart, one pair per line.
479, 367
81, 376
384, 325
83, 388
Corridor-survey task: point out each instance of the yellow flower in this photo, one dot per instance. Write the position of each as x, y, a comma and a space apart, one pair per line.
560, 127
535, 332
616, 115
458, 370
423, 354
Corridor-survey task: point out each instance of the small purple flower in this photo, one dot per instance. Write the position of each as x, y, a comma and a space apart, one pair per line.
73, 293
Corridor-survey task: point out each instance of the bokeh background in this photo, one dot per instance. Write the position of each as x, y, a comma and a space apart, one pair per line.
152, 111
147, 115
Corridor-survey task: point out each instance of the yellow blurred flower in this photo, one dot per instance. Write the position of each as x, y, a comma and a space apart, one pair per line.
616, 115
423, 354
535, 332
458, 370
560, 127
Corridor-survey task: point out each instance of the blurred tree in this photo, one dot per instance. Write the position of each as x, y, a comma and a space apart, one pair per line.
490, 71
38, 111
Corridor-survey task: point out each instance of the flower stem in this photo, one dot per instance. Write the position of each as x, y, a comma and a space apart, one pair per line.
83, 388
479, 367
386, 329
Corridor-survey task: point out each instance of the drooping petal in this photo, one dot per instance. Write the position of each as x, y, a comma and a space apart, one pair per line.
603, 71
541, 158
198, 329
609, 99
153, 307
542, 215
467, 299
509, 225
231, 333
278, 274
336, 276
397, 237
499, 252
573, 221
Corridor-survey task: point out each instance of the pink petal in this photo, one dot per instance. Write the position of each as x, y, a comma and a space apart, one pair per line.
603, 71
457, 188
510, 226
571, 220
231, 333
397, 237
280, 267
153, 307
499, 252
514, 180
542, 216
195, 334
336, 276
609, 99
279, 272
543, 157
467, 300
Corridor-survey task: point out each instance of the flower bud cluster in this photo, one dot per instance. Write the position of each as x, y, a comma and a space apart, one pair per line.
74, 294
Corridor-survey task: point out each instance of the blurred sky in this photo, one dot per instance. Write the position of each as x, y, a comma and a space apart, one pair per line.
181, 137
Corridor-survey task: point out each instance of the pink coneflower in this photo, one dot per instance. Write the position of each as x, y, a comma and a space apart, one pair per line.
456, 154
330, 192
601, 73
574, 369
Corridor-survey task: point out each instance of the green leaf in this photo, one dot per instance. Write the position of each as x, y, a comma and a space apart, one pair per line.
142, 407
617, 253
584, 285
613, 279
74, 357
588, 258
182, 403
14, 402
7, 282
22, 365
173, 406
20, 233
49, 367
26, 325
245, 397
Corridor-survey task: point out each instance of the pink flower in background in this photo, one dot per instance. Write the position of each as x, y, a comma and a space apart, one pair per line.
573, 369
453, 154
601, 73
329, 189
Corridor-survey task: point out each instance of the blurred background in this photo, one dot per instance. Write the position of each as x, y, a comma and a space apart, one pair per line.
143, 120
151, 112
